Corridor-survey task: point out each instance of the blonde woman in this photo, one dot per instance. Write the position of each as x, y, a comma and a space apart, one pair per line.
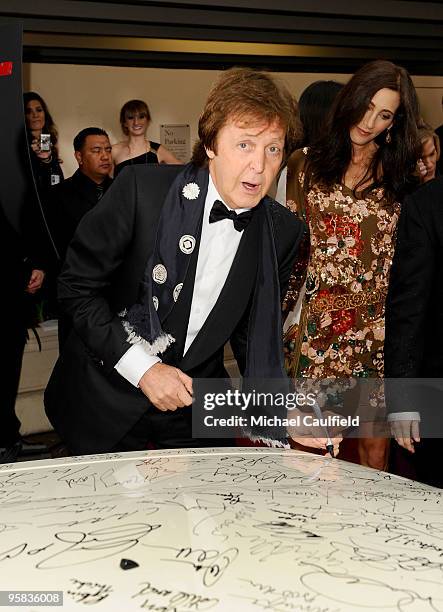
137, 149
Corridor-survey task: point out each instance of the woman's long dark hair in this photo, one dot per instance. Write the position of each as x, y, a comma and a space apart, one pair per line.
49, 126
393, 165
314, 105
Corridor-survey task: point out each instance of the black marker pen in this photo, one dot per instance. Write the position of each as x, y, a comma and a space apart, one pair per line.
319, 415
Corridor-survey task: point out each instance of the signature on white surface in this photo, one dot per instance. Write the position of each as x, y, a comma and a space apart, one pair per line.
241, 530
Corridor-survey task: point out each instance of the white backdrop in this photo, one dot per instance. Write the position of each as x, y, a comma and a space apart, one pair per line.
82, 96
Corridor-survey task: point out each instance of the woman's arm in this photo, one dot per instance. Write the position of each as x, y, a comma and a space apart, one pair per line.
166, 157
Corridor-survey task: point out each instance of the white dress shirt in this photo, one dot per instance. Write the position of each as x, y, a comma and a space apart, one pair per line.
218, 245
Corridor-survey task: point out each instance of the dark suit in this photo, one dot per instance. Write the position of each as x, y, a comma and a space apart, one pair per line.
67, 204
16, 253
88, 402
13, 314
414, 321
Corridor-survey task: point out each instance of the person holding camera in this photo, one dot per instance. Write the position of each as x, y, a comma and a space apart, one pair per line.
43, 151
42, 139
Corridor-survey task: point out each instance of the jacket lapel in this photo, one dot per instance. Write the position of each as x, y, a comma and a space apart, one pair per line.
189, 225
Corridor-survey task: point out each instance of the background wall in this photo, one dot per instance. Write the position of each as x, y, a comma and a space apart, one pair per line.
79, 96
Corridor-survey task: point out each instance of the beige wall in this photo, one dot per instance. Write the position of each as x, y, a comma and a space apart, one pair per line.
81, 96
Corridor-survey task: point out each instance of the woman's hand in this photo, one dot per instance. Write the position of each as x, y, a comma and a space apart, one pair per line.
36, 281
421, 169
319, 443
43, 155
312, 436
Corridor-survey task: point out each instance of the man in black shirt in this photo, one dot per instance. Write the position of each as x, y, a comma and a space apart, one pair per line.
439, 132
73, 198
77, 195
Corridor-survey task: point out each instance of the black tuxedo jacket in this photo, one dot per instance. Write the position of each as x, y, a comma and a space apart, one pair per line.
87, 401
414, 321
67, 204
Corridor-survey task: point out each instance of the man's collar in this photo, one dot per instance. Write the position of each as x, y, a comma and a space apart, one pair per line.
89, 182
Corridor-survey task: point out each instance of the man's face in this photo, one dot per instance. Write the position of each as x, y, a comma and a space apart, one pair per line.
429, 158
249, 155
95, 157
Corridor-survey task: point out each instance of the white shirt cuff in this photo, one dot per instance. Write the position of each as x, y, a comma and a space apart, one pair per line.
404, 416
134, 363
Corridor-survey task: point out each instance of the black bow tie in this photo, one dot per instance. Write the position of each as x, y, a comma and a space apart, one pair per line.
219, 212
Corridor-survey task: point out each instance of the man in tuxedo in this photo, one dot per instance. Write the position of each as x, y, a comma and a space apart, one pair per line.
70, 200
414, 332
168, 267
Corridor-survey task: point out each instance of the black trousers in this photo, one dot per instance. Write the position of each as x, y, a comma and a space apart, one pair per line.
428, 455
157, 429
14, 338
64, 328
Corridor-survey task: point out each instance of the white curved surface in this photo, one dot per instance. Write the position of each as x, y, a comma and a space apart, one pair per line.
220, 529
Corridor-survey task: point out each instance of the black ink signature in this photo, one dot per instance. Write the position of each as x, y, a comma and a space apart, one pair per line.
211, 563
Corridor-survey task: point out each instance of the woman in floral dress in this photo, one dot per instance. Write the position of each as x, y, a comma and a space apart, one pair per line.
347, 187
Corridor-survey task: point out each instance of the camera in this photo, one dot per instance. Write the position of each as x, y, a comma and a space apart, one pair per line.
45, 142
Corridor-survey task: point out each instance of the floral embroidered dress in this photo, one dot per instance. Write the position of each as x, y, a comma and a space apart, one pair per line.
340, 330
